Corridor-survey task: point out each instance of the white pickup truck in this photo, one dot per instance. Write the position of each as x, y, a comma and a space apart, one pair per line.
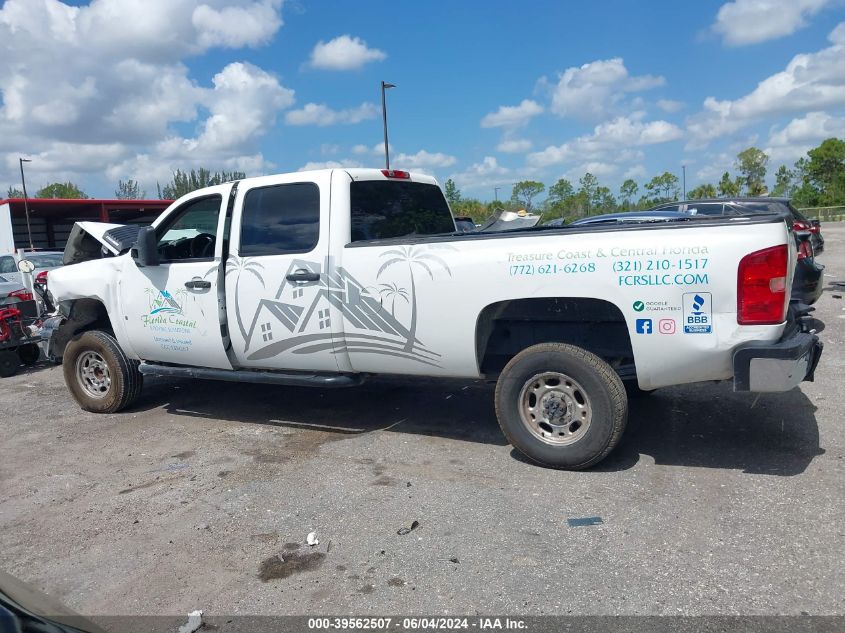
322, 278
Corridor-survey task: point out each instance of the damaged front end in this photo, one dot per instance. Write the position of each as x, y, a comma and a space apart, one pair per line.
84, 290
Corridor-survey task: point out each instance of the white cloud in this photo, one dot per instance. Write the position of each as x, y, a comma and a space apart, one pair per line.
484, 174
242, 106
802, 134
608, 141
514, 145
753, 21
599, 169
635, 172
344, 53
592, 90
668, 105
424, 160
810, 82
329, 164
512, 116
321, 115
107, 82
234, 26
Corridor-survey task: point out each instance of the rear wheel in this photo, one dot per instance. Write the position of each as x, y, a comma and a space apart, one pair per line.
9, 363
561, 405
99, 375
29, 353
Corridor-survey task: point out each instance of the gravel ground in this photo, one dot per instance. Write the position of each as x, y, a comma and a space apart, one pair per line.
714, 503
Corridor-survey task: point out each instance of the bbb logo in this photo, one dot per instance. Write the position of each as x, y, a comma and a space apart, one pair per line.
644, 326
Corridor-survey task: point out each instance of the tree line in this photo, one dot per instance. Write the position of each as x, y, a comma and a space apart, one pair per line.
818, 179
182, 182
815, 180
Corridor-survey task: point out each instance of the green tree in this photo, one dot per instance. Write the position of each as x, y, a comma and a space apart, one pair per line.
186, 182
827, 162
14, 192
561, 191
663, 188
702, 191
66, 190
525, 191
603, 200
587, 191
729, 188
453, 194
627, 191
826, 171
751, 163
129, 190
784, 182
471, 208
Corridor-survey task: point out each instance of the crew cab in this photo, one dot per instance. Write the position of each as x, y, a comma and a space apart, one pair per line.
326, 277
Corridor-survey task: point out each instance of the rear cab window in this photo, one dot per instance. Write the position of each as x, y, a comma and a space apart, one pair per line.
392, 209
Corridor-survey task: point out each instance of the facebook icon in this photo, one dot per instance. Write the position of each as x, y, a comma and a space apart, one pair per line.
644, 326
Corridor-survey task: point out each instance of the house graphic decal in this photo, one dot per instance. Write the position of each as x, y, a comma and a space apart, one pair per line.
298, 319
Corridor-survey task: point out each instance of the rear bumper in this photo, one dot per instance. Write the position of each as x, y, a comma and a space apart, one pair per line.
777, 366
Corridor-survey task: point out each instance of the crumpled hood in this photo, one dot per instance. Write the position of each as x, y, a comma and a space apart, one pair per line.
89, 240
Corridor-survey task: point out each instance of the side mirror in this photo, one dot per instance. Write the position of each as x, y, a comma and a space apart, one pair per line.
26, 266
145, 251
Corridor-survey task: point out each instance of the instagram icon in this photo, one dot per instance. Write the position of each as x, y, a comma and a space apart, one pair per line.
666, 326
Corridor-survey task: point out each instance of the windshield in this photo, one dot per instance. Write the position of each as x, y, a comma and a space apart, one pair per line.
45, 260
387, 209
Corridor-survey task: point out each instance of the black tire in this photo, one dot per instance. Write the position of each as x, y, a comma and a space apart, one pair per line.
29, 354
9, 363
592, 388
99, 354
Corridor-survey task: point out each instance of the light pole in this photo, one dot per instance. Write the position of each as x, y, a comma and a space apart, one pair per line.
684, 168
385, 86
496, 193
21, 161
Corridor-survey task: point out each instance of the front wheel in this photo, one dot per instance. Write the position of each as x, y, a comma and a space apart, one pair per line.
561, 406
9, 363
99, 375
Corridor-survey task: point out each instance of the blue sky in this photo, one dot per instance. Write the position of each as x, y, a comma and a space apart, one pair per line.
488, 93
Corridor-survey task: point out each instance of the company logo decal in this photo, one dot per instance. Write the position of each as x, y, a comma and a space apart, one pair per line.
698, 313
666, 326
644, 326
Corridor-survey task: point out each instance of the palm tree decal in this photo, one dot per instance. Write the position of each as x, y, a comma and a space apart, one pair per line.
241, 265
392, 291
413, 257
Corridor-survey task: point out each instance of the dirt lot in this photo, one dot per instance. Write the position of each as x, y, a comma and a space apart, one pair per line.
714, 503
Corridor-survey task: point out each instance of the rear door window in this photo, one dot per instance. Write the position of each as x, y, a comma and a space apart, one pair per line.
280, 219
388, 209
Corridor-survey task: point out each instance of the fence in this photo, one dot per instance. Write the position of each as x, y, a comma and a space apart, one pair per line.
825, 214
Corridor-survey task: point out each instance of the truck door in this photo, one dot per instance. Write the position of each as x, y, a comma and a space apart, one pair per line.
281, 293
172, 312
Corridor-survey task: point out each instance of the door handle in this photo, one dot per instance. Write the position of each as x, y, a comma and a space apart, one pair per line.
198, 284
303, 275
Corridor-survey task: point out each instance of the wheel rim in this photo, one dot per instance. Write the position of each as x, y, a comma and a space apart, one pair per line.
92, 373
555, 408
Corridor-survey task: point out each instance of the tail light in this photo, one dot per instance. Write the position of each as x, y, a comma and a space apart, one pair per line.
805, 249
800, 225
761, 287
41, 278
22, 294
396, 173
